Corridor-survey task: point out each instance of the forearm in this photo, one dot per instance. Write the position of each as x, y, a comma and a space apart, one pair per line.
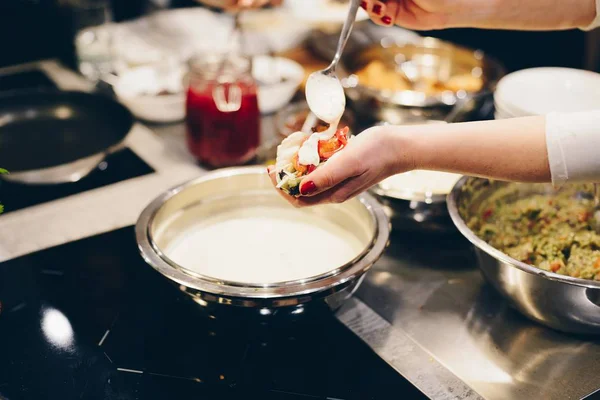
513, 149
525, 15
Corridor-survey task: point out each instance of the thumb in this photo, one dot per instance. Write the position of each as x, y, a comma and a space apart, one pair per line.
334, 171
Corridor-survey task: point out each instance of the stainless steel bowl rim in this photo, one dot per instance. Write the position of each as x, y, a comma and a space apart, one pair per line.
335, 279
452, 202
408, 195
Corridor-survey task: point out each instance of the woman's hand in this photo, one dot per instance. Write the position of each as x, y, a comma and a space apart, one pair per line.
414, 14
512, 150
235, 5
367, 159
487, 14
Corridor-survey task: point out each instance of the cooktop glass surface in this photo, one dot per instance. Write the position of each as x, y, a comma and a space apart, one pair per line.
117, 167
120, 166
90, 320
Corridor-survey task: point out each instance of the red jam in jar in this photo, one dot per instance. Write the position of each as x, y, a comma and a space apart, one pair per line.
222, 115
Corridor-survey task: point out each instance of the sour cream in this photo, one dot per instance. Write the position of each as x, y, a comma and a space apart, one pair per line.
326, 99
309, 152
261, 245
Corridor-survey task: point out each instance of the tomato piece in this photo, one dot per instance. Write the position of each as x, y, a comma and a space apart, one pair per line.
311, 168
555, 266
487, 213
327, 148
583, 216
342, 135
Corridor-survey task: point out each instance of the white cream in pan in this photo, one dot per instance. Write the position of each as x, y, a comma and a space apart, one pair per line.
263, 245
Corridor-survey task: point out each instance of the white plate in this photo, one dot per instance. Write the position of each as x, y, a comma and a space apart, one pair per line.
321, 11
538, 91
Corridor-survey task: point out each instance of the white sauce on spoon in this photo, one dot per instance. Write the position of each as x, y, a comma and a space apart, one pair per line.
260, 245
326, 99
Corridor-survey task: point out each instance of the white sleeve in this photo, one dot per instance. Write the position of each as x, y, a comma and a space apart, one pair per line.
596, 22
573, 143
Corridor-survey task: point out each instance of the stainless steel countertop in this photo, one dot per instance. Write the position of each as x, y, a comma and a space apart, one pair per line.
424, 307
431, 290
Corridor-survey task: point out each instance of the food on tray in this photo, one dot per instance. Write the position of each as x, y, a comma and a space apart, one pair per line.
554, 232
381, 76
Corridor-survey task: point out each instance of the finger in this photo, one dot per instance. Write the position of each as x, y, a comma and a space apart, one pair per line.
339, 194
377, 10
337, 169
389, 15
290, 199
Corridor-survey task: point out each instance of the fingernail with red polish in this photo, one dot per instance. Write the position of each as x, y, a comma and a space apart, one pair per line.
363, 5
307, 188
377, 9
386, 19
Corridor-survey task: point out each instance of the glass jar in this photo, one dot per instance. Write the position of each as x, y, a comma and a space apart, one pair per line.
222, 115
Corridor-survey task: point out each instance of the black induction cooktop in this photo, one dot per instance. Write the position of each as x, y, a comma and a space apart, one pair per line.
90, 320
117, 167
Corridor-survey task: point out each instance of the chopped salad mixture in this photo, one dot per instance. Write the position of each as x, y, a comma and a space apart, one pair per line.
290, 174
554, 233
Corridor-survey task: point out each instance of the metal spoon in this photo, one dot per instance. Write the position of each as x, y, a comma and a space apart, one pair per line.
329, 72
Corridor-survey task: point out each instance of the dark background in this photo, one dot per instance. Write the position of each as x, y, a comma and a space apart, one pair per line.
37, 29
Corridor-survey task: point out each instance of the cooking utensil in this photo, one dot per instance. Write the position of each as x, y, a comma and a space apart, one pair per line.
431, 57
226, 190
49, 136
329, 72
558, 301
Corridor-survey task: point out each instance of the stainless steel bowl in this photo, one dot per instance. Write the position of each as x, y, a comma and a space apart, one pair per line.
426, 57
415, 212
560, 302
228, 189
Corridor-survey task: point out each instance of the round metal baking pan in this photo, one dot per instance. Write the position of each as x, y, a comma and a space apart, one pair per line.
227, 189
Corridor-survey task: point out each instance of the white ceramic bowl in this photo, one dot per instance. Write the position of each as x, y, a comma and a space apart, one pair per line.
166, 108
272, 94
149, 107
538, 91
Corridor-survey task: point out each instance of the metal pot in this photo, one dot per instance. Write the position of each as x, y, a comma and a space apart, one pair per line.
557, 301
426, 57
232, 188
